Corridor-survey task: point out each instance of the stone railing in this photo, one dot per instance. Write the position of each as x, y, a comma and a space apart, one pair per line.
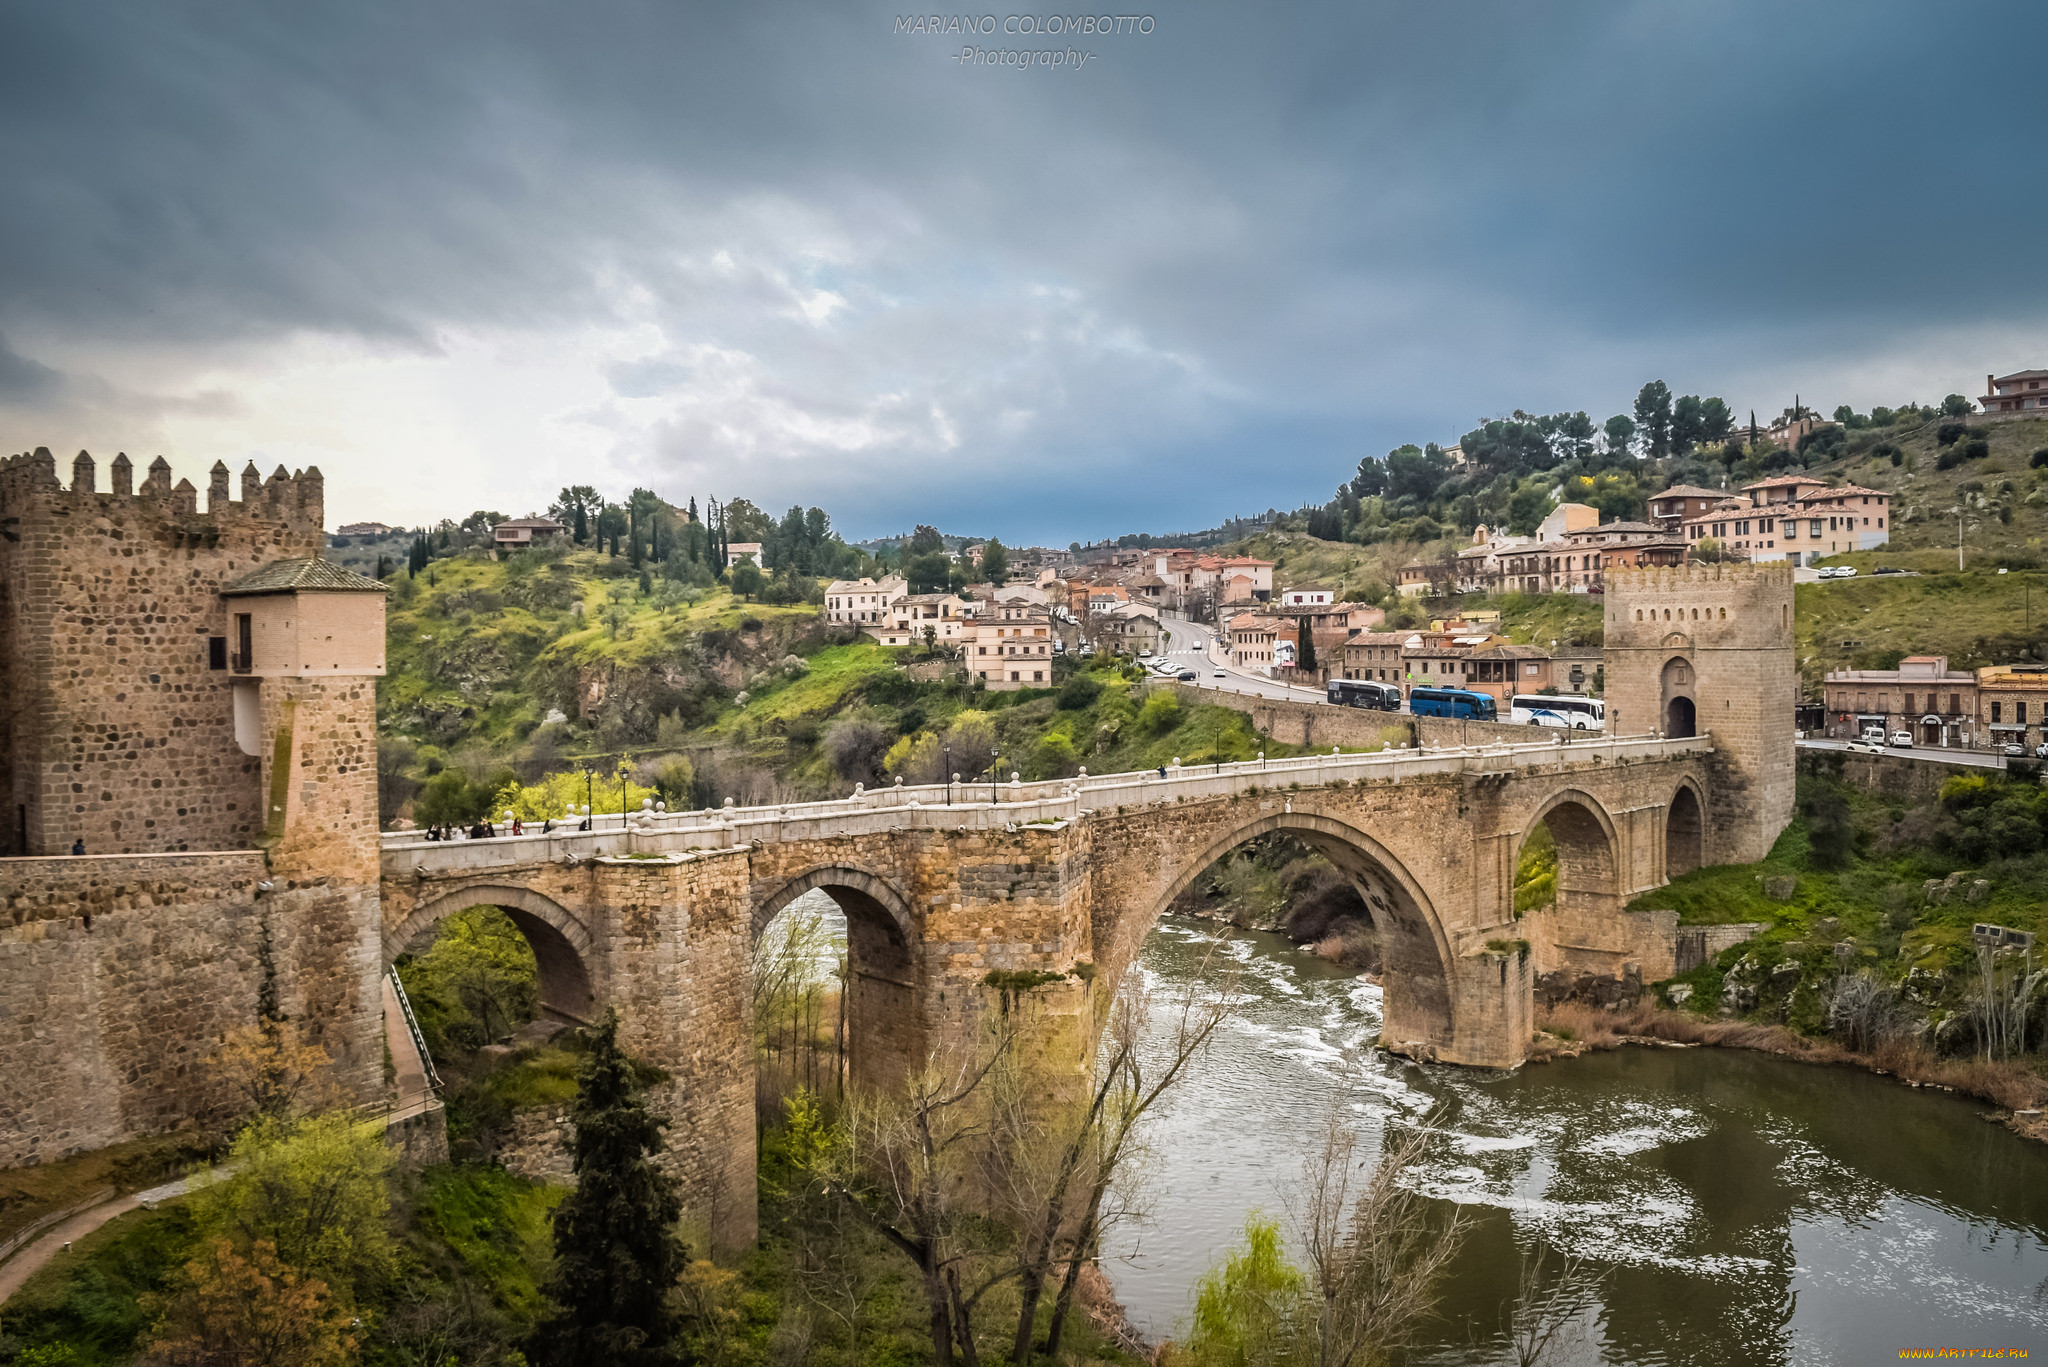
1003, 806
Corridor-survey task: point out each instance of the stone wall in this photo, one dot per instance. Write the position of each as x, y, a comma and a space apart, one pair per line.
1320, 725
119, 975
1896, 777
114, 728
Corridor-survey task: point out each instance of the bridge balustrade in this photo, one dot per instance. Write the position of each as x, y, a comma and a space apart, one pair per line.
926, 807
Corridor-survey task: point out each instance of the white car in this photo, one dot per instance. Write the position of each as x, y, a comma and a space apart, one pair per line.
1221, 675
1902, 739
1839, 572
2014, 750
1865, 746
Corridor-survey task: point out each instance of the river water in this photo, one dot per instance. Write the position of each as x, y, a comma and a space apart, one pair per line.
1739, 1208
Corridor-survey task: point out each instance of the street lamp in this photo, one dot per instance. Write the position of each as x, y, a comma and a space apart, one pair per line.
946, 752
993, 755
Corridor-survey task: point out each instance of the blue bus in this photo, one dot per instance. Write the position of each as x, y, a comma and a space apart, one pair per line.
1451, 702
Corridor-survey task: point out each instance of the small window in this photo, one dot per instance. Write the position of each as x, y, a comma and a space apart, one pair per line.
216, 652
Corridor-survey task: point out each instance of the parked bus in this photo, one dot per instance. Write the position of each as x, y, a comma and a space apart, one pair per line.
1379, 697
1451, 702
1576, 714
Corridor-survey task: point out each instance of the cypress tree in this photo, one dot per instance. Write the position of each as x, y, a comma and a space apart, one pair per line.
1305, 647
582, 532
617, 1255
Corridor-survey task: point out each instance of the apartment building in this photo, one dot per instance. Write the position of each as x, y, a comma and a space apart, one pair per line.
1010, 646
864, 601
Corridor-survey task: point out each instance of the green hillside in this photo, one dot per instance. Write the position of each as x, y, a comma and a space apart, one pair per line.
562, 660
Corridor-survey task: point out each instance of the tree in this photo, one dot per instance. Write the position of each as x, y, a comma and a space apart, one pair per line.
1527, 509
925, 540
746, 578
1653, 418
268, 1071
478, 981
1304, 648
1374, 1253
995, 562
855, 743
901, 1163
575, 505
617, 1255
1060, 1213
1955, 406
1685, 424
1370, 480
228, 1307
1575, 434
1619, 430
929, 572
317, 1191
1716, 421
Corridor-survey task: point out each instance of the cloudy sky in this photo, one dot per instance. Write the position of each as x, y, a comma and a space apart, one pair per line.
459, 255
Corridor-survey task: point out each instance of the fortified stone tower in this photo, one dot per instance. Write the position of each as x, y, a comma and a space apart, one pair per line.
1707, 649
191, 697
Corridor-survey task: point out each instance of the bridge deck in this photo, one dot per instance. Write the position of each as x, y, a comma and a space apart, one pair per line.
968, 806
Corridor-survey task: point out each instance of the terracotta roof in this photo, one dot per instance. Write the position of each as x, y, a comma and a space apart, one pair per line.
1847, 491
286, 576
1780, 481
1689, 491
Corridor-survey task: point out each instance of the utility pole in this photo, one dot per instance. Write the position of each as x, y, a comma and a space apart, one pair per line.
1959, 538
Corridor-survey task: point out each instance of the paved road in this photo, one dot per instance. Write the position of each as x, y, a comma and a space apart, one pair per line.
1194, 646
1976, 759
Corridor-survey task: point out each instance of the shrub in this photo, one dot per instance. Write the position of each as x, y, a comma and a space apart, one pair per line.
1161, 712
1950, 432
1975, 449
1081, 691
2039, 458
1885, 450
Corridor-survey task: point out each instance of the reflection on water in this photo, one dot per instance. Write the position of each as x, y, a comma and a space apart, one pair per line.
1741, 1208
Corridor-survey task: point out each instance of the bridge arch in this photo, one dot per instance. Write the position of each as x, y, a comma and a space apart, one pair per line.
1589, 873
885, 1034
1420, 1002
560, 942
1685, 830
1678, 711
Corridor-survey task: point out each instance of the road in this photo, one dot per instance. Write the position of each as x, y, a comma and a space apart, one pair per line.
1975, 759
1194, 646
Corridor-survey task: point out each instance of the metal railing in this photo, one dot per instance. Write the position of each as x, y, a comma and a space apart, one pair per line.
412, 1027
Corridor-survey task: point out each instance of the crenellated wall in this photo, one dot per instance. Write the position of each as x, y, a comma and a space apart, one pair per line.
114, 730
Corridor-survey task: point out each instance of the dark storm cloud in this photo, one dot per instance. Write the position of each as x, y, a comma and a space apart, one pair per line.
1201, 275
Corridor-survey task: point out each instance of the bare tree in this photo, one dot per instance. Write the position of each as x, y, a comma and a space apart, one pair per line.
904, 1164
1547, 1326
1374, 1248
1103, 1138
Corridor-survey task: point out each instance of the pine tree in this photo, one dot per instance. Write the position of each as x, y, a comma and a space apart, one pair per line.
1305, 649
617, 1255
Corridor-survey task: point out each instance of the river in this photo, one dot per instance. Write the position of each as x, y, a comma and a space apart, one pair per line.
1739, 1208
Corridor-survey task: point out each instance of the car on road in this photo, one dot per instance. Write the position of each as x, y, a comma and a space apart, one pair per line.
1902, 739
1187, 676
1221, 674
1839, 572
1865, 746
2014, 750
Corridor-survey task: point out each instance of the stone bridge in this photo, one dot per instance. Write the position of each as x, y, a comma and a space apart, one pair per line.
656, 915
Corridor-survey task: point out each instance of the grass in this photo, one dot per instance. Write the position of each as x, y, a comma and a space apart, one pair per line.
27, 1194
492, 1226
90, 1298
835, 672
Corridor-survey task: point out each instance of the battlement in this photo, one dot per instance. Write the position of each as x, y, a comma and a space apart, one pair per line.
1714, 605
30, 488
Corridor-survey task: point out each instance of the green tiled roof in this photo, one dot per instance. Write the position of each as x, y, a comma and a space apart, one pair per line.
283, 576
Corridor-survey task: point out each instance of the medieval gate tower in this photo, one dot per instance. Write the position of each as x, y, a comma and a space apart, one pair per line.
188, 700
1697, 649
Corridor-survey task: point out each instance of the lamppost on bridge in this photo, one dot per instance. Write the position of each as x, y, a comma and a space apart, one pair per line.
946, 753
993, 756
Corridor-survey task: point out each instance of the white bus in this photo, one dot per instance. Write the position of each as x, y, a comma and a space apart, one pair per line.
1571, 713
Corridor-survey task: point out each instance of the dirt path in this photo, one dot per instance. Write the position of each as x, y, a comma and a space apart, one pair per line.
15, 1272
